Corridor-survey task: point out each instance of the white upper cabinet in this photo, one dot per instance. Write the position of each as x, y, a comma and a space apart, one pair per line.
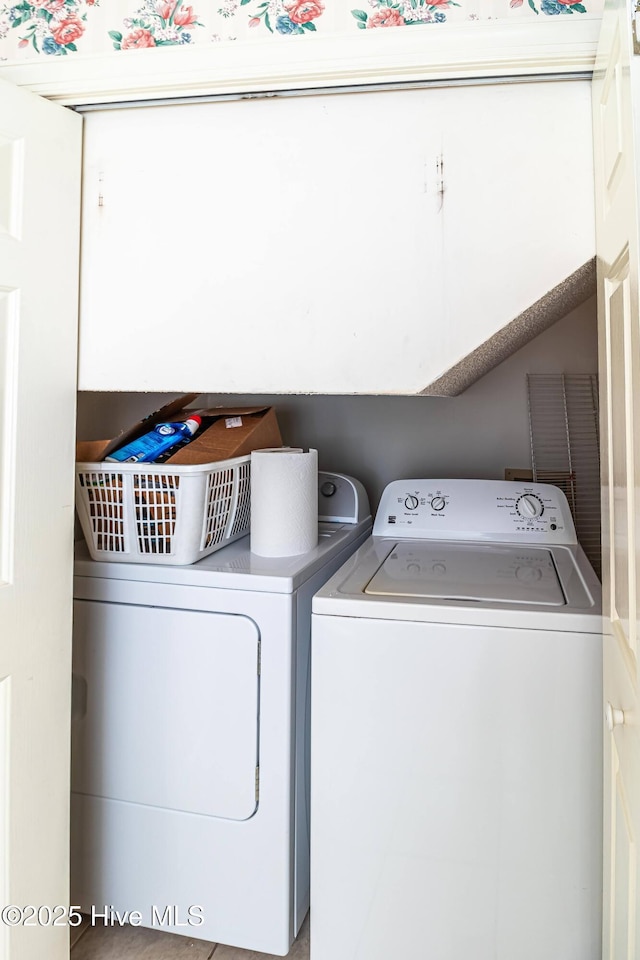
519, 209
352, 243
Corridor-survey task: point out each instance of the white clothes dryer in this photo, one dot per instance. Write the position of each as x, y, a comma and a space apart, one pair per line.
190, 751
456, 731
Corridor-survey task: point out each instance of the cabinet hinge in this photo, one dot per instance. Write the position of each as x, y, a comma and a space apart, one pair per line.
101, 189
440, 179
257, 784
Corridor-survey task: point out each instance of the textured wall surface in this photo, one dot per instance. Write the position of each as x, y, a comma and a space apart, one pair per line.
54, 28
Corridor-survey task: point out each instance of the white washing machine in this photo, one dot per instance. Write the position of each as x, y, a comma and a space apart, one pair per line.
456, 768
190, 753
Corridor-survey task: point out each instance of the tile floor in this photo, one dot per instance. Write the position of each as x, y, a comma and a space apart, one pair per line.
139, 943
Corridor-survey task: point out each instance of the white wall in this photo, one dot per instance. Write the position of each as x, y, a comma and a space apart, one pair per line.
379, 439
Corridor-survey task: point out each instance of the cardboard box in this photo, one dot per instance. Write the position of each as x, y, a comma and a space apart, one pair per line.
231, 432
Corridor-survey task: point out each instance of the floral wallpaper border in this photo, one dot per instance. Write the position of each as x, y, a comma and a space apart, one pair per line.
42, 28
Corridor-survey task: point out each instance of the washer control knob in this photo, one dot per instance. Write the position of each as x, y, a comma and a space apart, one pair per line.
328, 488
529, 506
411, 503
413, 568
438, 503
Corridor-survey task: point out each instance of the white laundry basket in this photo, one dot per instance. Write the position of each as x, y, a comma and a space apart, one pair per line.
156, 513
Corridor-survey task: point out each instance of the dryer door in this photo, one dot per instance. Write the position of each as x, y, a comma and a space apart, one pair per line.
166, 708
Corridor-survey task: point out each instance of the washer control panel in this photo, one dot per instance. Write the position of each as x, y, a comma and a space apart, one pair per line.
503, 511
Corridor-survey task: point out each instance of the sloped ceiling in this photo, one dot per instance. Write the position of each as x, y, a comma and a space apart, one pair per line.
541, 315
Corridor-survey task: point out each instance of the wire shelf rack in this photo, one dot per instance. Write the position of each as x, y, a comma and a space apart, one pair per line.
565, 448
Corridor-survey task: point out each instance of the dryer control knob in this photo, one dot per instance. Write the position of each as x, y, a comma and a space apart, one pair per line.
529, 506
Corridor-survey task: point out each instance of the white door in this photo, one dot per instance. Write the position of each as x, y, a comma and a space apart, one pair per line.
616, 111
40, 157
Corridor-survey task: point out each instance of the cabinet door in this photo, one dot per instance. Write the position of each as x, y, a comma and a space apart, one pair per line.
355, 243
286, 245
518, 203
616, 104
40, 155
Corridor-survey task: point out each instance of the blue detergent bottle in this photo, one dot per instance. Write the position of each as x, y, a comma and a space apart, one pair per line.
152, 445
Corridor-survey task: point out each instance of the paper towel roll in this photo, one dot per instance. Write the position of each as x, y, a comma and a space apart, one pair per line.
284, 501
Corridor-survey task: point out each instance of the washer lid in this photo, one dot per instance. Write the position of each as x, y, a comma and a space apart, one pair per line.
450, 571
